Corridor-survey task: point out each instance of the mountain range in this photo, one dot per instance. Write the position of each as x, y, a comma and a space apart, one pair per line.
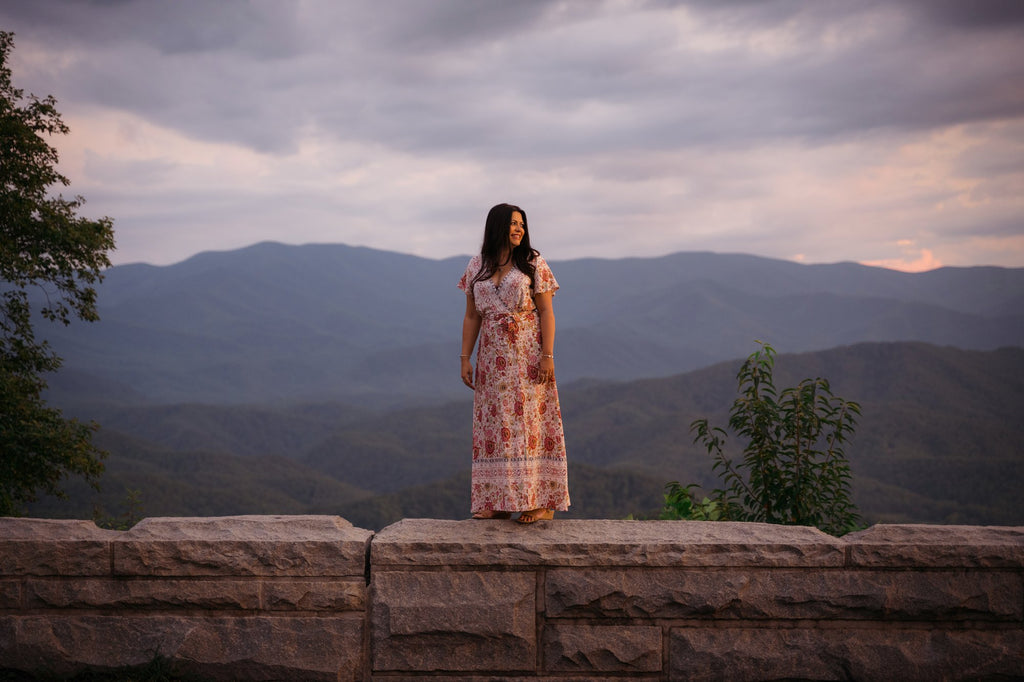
323, 379
273, 324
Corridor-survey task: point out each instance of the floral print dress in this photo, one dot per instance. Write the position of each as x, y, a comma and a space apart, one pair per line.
519, 461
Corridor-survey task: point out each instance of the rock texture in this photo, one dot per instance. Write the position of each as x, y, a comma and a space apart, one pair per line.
687, 600
457, 621
836, 653
249, 597
54, 547
756, 593
890, 546
602, 648
231, 648
312, 598
427, 542
242, 545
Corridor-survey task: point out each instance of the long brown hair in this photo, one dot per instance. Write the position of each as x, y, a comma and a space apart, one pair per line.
496, 240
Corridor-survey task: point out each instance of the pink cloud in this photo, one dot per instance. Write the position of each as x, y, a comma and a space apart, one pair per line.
919, 261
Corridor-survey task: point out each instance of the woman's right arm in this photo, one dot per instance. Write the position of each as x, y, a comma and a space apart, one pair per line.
470, 330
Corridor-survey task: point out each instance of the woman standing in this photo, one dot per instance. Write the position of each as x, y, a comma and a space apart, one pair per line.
519, 462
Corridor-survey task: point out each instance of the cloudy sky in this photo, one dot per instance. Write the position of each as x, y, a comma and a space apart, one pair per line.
888, 132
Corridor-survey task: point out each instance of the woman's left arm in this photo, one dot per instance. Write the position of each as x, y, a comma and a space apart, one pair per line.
547, 335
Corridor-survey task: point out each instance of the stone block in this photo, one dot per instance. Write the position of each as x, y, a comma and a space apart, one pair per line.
54, 547
8, 641
148, 594
426, 542
314, 595
650, 593
10, 594
225, 648
602, 648
908, 655
526, 677
784, 594
923, 546
453, 620
318, 546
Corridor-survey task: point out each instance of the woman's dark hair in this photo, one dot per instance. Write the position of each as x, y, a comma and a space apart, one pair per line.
496, 229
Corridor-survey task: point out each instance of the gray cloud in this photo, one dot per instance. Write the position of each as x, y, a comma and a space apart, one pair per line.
979, 14
454, 74
653, 103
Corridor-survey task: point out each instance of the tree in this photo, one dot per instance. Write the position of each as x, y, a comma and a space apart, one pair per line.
50, 258
794, 469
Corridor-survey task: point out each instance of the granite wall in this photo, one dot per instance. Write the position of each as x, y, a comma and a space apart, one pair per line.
311, 597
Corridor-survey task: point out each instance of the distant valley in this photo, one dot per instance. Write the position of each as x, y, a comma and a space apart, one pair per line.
940, 441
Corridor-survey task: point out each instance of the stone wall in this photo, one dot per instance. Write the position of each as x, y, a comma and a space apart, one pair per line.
315, 598
249, 597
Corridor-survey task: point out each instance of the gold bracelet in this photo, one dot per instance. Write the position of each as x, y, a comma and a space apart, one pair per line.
544, 355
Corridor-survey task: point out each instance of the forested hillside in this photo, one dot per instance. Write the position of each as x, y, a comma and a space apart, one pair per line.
330, 323
940, 440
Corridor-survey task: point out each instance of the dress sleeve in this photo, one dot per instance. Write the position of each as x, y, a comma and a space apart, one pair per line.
543, 279
469, 274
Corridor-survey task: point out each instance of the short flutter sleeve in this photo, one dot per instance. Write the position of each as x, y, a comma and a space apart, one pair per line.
543, 279
465, 282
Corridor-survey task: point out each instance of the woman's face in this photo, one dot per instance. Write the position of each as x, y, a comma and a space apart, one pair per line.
516, 229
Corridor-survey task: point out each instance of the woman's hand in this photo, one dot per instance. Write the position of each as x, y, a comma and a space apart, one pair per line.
467, 373
547, 370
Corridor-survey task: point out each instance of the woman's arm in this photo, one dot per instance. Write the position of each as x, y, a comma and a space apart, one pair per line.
470, 330
547, 335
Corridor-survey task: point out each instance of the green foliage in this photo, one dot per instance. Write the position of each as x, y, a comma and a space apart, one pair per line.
682, 503
38, 444
794, 469
46, 249
131, 515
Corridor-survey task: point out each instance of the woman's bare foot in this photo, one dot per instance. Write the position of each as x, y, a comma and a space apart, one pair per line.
492, 514
535, 515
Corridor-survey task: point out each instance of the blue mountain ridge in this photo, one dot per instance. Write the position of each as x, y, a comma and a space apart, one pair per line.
273, 323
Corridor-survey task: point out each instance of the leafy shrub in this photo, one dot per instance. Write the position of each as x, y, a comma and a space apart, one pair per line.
681, 503
131, 515
794, 469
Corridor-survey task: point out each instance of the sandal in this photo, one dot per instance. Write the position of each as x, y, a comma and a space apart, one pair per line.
492, 514
535, 515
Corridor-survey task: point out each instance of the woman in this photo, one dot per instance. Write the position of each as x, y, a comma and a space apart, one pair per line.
519, 460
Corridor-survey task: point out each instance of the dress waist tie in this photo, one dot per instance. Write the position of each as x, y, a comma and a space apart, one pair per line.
508, 322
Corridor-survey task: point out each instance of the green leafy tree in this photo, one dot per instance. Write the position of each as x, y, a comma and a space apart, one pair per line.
48, 254
794, 469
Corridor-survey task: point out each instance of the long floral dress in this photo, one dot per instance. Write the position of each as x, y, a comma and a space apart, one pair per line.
519, 461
